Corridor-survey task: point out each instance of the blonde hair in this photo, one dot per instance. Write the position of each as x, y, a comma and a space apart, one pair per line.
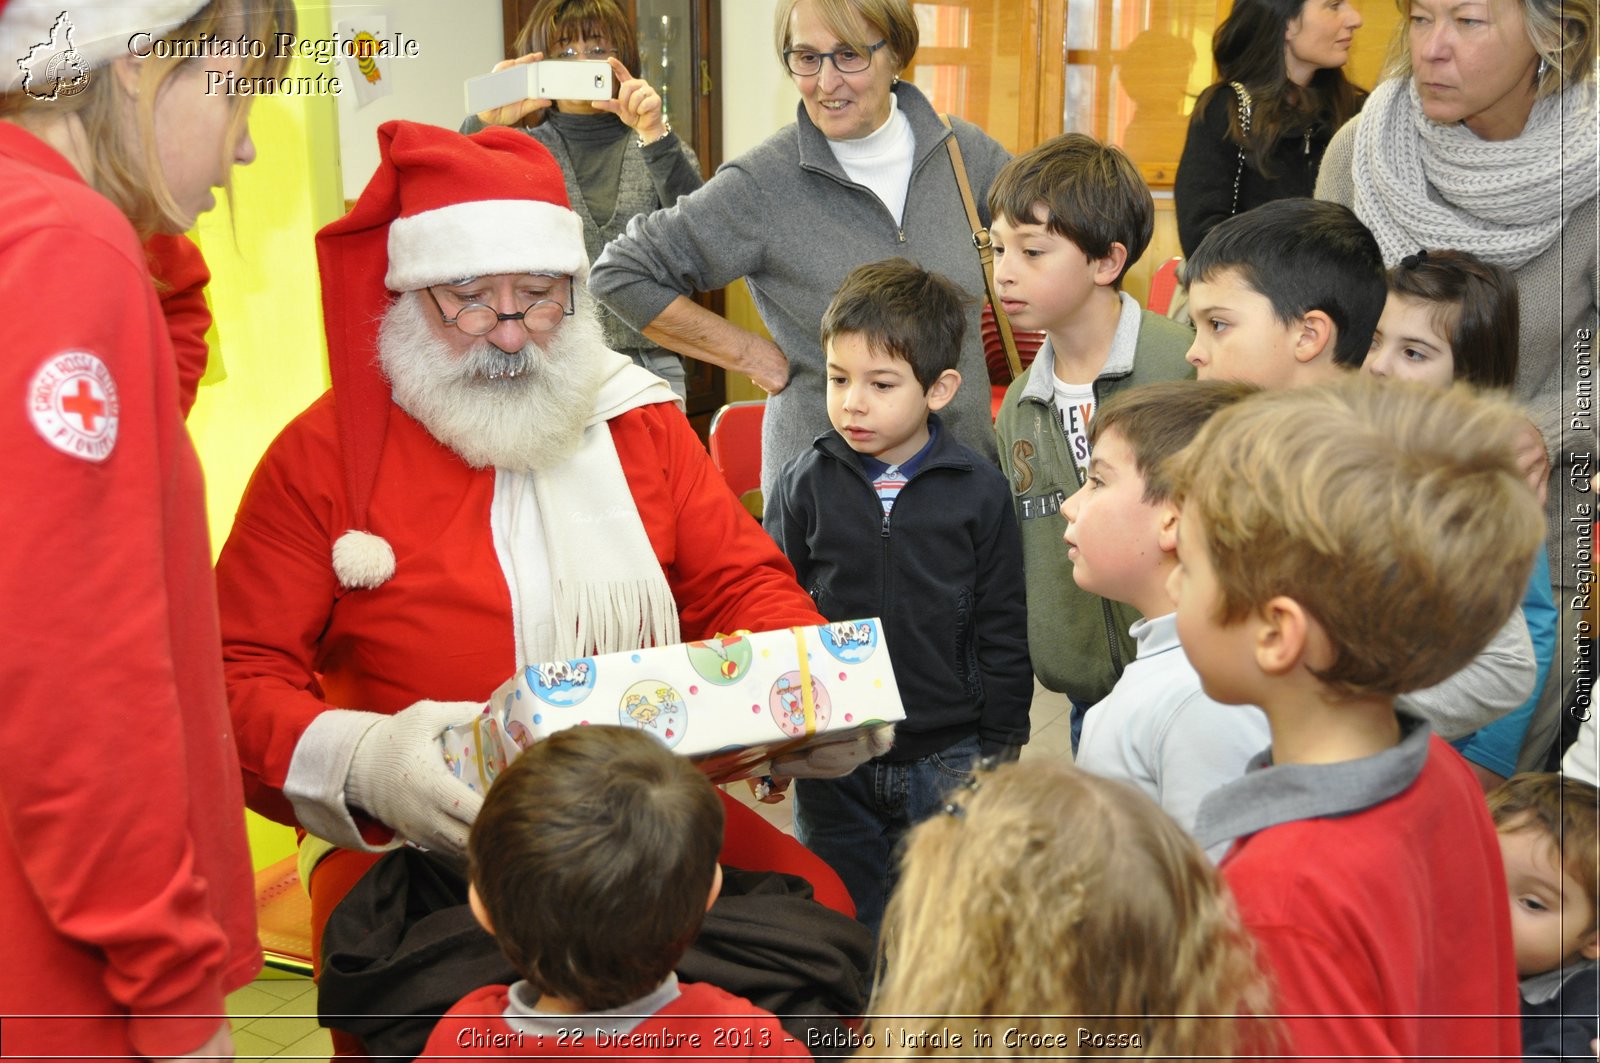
124, 160
1393, 513
1051, 892
892, 19
1561, 32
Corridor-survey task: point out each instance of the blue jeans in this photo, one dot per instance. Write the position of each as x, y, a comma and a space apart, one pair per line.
1075, 718
856, 823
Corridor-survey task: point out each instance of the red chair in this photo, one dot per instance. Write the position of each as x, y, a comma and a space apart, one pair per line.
735, 445
1162, 285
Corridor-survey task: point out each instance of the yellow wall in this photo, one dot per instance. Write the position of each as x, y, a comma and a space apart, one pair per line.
267, 352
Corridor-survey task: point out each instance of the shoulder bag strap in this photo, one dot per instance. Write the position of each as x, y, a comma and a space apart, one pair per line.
1244, 129
980, 240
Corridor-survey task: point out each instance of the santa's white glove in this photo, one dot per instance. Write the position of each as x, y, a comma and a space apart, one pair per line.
834, 760
398, 776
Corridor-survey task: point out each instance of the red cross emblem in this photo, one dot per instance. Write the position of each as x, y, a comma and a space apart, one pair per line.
73, 403
85, 404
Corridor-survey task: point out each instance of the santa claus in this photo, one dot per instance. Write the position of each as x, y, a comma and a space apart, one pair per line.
485, 487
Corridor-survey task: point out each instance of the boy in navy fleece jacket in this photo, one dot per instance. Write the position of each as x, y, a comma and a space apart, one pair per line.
889, 516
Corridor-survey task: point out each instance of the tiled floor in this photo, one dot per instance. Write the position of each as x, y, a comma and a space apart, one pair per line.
275, 1017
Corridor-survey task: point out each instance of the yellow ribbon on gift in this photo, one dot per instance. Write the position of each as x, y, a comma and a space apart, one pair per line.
808, 701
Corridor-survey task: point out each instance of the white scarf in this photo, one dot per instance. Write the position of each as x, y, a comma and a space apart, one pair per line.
609, 591
1420, 184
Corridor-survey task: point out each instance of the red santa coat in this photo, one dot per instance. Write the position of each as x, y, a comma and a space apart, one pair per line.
124, 870
296, 643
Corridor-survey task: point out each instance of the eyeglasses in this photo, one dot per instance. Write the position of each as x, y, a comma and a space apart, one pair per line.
598, 51
540, 315
803, 62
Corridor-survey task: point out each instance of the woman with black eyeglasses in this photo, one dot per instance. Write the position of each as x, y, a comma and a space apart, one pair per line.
862, 175
620, 157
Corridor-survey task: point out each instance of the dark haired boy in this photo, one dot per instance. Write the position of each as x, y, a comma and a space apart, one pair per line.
1069, 218
1286, 294
890, 516
593, 862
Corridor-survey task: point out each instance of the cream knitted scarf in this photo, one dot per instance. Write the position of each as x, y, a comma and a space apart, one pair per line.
1420, 184
609, 593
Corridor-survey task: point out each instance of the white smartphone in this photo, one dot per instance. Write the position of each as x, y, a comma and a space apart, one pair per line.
558, 79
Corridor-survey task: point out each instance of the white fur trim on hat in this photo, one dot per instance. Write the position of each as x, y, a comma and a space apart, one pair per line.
362, 560
97, 31
483, 238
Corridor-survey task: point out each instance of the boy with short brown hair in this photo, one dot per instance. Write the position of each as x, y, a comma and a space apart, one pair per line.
1338, 546
1156, 729
1070, 217
593, 862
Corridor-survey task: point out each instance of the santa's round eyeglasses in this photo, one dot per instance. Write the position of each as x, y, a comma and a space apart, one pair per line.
540, 315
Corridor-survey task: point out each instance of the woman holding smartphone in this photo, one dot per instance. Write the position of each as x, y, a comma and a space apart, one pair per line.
620, 157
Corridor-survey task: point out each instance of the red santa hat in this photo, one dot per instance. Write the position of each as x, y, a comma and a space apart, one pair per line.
33, 32
442, 207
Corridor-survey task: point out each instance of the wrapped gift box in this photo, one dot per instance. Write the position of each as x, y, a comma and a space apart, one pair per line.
730, 704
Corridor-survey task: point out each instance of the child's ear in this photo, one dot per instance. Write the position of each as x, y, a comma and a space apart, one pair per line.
942, 390
1317, 334
716, 888
1167, 527
1282, 634
479, 912
1591, 948
1108, 267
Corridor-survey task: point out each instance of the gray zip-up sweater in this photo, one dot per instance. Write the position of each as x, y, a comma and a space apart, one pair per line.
787, 218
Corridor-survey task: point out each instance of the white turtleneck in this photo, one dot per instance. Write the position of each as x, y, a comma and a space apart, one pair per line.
882, 159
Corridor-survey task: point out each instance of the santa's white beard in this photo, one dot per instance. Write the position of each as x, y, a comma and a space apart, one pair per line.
522, 410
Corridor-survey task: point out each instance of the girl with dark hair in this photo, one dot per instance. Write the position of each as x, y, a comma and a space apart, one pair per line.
1258, 134
1453, 317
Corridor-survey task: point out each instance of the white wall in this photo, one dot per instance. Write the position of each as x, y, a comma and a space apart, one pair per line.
758, 98
455, 40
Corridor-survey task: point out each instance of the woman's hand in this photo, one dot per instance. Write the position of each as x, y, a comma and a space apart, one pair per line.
689, 328
515, 113
766, 364
637, 104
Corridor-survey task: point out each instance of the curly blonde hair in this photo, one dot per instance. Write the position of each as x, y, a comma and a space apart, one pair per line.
1048, 900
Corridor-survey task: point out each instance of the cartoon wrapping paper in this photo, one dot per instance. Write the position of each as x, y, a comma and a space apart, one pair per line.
730, 704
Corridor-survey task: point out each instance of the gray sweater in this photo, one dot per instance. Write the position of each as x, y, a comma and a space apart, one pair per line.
785, 217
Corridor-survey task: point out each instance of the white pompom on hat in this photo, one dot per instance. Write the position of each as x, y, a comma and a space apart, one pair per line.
441, 207
101, 30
